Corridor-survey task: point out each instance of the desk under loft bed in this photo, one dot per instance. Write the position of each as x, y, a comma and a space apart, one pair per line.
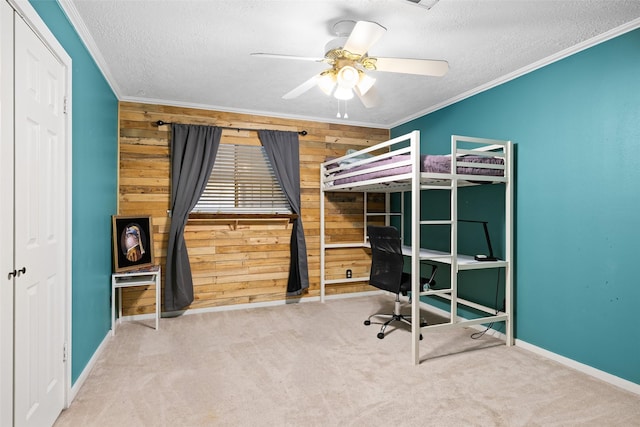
397, 166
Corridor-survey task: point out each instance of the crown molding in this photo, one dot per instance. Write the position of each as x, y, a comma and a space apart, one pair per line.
69, 9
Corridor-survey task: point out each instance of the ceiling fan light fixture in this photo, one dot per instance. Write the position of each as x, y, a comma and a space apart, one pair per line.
343, 93
326, 83
348, 77
366, 82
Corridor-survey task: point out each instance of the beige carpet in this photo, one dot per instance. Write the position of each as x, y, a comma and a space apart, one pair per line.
313, 364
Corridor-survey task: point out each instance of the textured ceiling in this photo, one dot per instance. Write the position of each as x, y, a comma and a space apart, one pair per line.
197, 53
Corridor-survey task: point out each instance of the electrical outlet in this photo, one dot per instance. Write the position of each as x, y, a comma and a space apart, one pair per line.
348, 274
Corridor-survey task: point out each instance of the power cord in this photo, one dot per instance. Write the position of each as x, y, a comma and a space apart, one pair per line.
479, 334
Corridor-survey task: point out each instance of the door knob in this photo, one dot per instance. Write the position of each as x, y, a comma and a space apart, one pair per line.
17, 273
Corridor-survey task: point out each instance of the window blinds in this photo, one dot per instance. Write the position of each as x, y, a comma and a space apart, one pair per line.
242, 181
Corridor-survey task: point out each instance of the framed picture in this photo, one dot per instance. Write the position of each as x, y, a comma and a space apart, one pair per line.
132, 242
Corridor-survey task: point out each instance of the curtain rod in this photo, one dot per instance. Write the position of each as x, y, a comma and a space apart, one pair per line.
162, 123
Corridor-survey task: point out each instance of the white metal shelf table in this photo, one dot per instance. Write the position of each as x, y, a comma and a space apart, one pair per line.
143, 277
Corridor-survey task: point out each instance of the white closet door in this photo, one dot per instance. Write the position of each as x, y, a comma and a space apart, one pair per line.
39, 225
6, 214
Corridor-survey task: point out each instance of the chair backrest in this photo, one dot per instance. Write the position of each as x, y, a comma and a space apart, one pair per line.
386, 258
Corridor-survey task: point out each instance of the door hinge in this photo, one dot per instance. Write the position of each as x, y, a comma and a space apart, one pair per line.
64, 352
64, 106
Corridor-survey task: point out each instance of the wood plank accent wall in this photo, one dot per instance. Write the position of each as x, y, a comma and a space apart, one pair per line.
247, 262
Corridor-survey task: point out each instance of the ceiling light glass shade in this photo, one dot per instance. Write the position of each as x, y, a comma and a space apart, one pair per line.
348, 77
326, 83
365, 83
343, 93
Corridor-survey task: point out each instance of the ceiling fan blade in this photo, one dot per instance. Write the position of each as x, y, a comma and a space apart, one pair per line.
296, 92
279, 56
370, 99
363, 36
424, 67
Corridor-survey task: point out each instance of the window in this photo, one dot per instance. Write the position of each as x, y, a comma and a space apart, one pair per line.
242, 181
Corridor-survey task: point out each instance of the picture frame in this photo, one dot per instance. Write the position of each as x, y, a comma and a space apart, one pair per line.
132, 242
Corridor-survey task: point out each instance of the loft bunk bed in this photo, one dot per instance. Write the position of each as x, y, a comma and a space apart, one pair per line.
398, 166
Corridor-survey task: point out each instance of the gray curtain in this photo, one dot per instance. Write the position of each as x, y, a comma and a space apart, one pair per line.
193, 152
284, 154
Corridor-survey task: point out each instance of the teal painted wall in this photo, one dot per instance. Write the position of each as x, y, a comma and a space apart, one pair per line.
576, 125
94, 177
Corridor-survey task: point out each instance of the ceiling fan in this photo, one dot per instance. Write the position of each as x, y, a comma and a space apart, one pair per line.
349, 60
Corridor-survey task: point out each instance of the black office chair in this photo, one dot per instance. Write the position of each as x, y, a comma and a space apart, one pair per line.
386, 273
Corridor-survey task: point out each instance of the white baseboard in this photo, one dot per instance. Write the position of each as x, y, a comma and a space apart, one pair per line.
586, 369
589, 370
248, 305
75, 388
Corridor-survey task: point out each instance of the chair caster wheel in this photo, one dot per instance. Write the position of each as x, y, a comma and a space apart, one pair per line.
367, 322
380, 335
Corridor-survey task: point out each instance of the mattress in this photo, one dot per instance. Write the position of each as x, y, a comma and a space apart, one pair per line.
428, 163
